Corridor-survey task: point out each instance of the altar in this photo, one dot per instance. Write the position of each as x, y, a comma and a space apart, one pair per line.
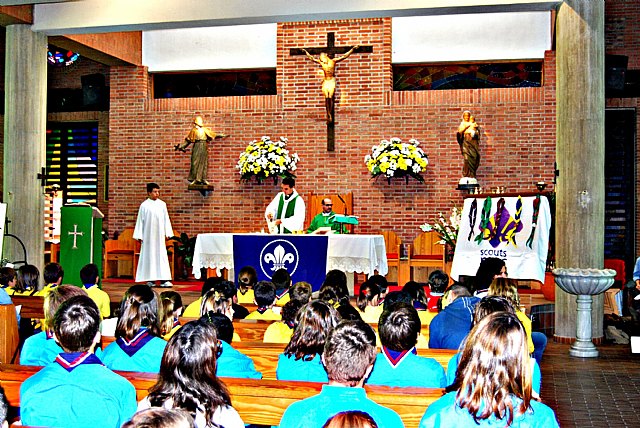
348, 253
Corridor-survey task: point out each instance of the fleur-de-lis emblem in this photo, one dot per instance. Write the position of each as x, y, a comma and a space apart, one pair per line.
279, 257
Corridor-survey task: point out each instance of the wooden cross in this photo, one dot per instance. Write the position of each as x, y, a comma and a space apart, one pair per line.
330, 50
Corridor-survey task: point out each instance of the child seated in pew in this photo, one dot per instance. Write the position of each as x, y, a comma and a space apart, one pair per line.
188, 380
368, 302
420, 301
195, 308
492, 386
229, 291
77, 390
41, 348
301, 291
265, 298
351, 419
301, 358
282, 280
398, 363
138, 346
349, 354
281, 331
334, 289
438, 283
90, 278
8, 279
216, 302
487, 306
157, 417
170, 310
27, 283
231, 362
382, 284
394, 297
247, 279
52, 275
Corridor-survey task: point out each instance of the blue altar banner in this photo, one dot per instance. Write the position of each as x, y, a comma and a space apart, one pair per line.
304, 257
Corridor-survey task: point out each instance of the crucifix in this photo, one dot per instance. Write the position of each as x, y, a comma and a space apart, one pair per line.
75, 234
327, 60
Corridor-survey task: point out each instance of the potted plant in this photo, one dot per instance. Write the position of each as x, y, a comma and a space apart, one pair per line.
184, 252
447, 230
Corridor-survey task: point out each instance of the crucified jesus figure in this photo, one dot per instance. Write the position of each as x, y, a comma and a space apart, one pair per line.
328, 65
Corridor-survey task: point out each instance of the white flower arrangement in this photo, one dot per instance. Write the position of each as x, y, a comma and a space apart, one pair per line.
397, 159
267, 159
446, 230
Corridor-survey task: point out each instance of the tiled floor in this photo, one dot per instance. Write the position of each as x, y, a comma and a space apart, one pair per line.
592, 392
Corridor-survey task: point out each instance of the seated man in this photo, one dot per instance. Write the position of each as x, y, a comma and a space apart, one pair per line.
325, 218
398, 363
77, 390
449, 328
348, 357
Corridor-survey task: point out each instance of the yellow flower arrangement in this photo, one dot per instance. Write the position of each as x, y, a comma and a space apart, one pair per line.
267, 159
397, 159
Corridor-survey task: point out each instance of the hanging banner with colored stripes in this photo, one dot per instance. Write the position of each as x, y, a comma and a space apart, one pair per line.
514, 229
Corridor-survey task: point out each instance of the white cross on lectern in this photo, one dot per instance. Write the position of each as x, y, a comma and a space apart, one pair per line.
75, 234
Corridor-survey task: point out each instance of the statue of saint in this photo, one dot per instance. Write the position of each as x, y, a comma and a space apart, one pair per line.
468, 137
199, 136
328, 65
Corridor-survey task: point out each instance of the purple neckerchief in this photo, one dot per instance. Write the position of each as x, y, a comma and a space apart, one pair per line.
419, 306
134, 345
396, 357
49, 334
280, 296
262, 309
291, 324
70, 361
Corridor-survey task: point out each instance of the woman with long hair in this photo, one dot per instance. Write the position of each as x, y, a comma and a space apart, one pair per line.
188, 381
138, 346
301, 358
493, 383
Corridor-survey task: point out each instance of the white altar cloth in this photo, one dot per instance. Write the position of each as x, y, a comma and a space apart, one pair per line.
348, 253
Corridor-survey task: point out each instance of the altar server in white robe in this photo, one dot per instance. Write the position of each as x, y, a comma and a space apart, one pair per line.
152, 226
285, 213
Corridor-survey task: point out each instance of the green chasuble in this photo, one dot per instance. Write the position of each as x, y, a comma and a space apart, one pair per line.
321, 220
291, 209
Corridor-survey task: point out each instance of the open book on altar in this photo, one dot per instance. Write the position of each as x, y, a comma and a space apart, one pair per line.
322, 231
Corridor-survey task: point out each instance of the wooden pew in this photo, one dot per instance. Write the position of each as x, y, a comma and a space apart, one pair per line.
32, 306
258, 401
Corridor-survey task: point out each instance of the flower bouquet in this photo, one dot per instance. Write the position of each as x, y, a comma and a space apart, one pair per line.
397, 159
446, 230
264, 159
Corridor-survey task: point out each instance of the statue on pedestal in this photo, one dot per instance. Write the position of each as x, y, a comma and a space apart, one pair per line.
199, 136
468, 137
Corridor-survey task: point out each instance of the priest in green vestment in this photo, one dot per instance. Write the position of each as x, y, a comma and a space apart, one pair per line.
325, 218
286, 212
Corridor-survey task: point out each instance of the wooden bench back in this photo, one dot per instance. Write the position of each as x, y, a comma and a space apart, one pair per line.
124, 243
9, 337
259, 402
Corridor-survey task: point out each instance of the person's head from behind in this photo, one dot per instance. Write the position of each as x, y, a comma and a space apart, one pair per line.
369, 295
153, 191
382, 284
334, 288
247, 278
222, 324
28, 278
453, 293
491, 304
264, 294
489, 269
159, 417
416, 291
349, 313
138, 310
290, 312
351, 419
170, 310
8, 277
53, 273
76, 324
399, 327
349, 353
397, 297
216, 301
282, 280
188, 371
494, 365
53, 300
301, 291
314, 322
288, 185
89, 274
438, 281
209, 284
506, 288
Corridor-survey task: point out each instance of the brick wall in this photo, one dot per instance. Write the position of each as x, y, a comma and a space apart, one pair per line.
517, 145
